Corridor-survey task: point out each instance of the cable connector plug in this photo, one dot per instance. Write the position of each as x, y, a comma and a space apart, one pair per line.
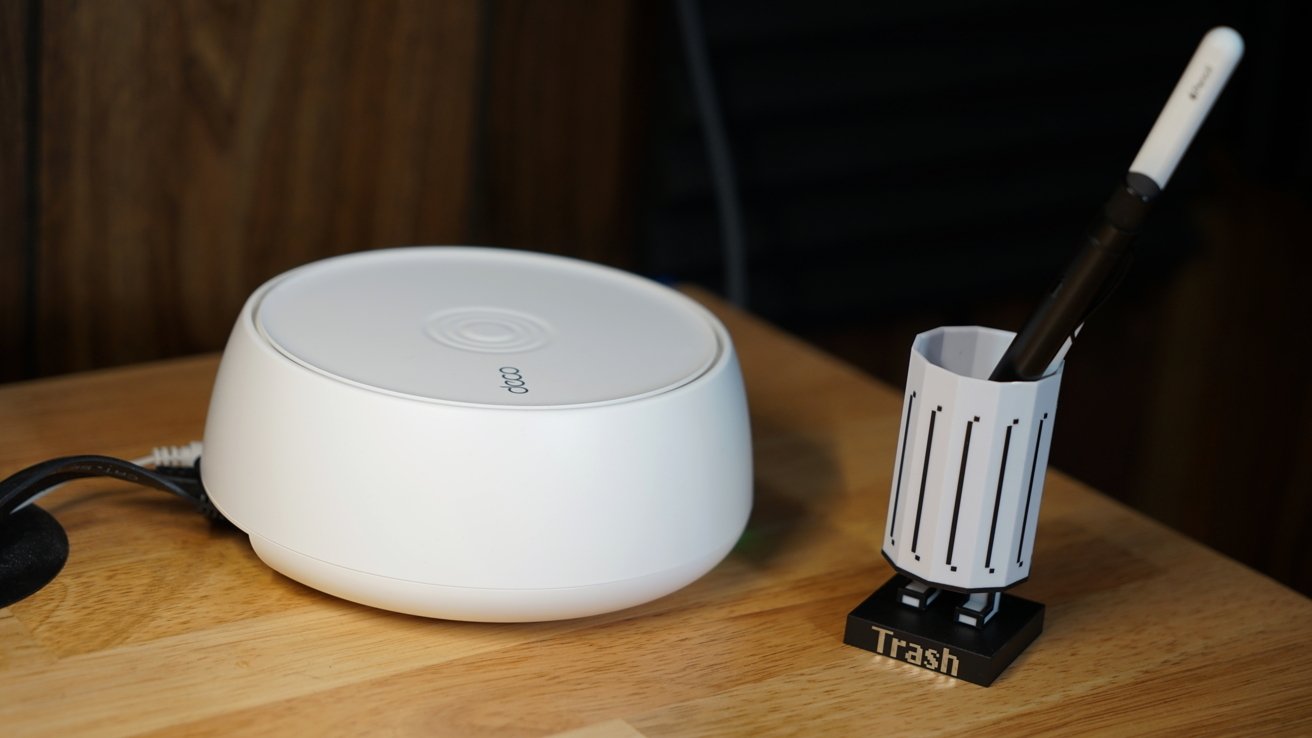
172, 456
187, 478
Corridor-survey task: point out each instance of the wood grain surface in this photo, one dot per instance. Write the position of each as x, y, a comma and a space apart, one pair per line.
161, 625
191, 150
185, 152
560, 123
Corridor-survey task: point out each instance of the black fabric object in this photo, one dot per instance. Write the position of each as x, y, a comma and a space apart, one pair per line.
33, 546
33, 549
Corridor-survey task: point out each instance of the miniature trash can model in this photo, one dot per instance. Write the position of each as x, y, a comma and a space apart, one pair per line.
970, 463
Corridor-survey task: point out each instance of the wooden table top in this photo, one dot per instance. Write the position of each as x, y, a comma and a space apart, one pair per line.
160, 624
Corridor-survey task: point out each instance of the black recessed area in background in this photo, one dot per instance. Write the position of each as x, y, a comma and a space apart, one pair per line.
892, 160
912, 166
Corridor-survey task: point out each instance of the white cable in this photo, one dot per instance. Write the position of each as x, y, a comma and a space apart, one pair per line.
732, 231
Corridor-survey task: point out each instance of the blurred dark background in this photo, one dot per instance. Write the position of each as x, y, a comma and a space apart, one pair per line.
899, 167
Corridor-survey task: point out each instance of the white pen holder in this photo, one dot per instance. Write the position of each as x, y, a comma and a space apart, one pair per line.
970, 463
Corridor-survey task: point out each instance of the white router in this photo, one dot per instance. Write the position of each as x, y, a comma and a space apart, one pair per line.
480, 434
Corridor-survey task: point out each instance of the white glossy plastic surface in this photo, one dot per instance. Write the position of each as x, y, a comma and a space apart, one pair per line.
449, 507
968, 477
440, 324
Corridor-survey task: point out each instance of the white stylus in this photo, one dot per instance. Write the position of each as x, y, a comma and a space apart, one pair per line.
1199, 86
1042, 344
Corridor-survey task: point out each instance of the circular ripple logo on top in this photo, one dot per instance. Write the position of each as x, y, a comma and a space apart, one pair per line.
488, 330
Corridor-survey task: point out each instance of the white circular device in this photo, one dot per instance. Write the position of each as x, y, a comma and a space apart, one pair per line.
480, 434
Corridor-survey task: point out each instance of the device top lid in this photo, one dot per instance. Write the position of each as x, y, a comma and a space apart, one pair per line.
487, 327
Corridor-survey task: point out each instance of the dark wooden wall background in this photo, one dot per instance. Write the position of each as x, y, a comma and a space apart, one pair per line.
159, 159
162, 159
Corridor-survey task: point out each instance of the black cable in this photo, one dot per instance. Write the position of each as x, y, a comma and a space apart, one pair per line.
28, 483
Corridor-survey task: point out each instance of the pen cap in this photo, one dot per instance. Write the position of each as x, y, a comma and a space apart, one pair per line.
1189, 104
969, 466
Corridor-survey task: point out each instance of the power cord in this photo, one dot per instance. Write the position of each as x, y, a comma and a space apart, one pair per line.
176, 469
33, 545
